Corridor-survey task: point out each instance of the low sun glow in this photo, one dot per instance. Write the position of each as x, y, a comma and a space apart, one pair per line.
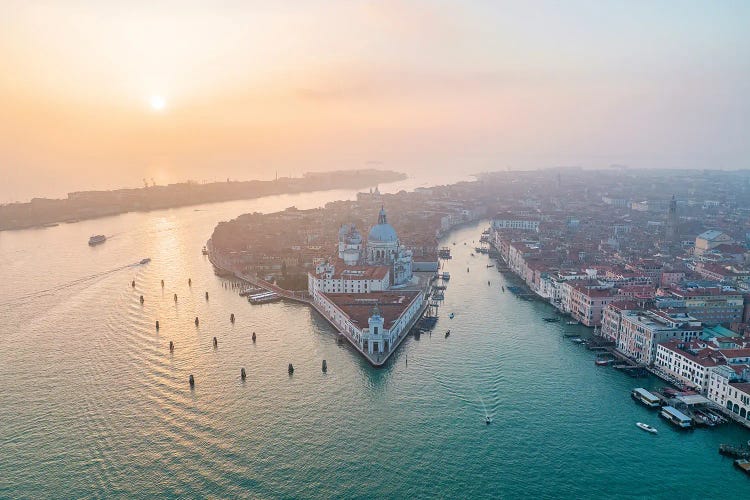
157, 102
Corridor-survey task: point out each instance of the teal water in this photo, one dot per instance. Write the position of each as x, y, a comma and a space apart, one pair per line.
94, 405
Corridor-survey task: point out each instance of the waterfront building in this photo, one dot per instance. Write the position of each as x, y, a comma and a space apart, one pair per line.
337, 277
688, 362
612, 319
586, 301
641, 331
361, 290
511, 221
728, 387
374, 322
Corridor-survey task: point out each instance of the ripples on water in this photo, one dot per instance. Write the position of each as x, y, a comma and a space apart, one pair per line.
94, 404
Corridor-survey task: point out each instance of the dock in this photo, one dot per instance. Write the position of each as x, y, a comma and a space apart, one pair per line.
735, 451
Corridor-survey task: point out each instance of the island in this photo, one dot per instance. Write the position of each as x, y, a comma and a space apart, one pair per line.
91, 204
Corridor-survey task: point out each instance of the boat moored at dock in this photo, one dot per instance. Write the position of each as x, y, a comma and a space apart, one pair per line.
645, 398
263, 298
676, 417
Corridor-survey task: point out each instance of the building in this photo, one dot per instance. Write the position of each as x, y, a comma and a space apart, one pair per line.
712, 305
362, 289
373, 322
641, 331
586, 302
687, 362
384, 248
521, 223
708, 240
340, 278
728, 388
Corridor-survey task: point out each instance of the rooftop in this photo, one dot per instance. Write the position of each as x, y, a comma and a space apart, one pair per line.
359, 307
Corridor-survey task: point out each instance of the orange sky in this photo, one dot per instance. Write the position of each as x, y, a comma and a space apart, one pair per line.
255, 87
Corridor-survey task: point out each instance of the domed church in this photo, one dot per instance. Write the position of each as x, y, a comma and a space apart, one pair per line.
384, 248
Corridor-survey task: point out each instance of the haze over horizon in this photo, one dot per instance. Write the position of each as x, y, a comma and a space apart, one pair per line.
95, 95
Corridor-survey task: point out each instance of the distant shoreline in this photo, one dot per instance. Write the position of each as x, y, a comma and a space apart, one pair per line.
83, 205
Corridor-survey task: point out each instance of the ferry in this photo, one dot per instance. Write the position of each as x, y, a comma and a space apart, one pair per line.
645, 398
96, 239
676, 417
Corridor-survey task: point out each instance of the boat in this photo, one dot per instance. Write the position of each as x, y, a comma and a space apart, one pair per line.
577, 340
451, 315
490, 265
487, 420
447, 333
204, 251
604, 361
647, 427
572, 323
645, 398
676, 417
446, 276
551, 320
146, 260
743, 465
97, 239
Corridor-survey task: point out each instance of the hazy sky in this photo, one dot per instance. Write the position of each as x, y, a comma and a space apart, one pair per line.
252, 87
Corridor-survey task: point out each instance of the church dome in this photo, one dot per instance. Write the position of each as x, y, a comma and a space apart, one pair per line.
382, 232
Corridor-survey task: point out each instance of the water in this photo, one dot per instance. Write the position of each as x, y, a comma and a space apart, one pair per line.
93, 403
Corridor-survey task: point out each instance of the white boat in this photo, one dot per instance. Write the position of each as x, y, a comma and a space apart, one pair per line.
647, 427
487, 420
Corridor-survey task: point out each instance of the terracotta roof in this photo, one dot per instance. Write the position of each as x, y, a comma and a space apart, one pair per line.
359, 306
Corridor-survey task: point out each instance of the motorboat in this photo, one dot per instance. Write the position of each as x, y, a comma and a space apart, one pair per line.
146, 260
487, 420
204, 251
551, 320
97, 239
572, 323
447, 334
647, 427
452, 315
490, 265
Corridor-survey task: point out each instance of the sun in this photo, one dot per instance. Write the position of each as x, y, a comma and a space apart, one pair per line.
157, 102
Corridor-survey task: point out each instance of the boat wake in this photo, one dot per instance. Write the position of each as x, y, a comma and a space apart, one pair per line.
69, 284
